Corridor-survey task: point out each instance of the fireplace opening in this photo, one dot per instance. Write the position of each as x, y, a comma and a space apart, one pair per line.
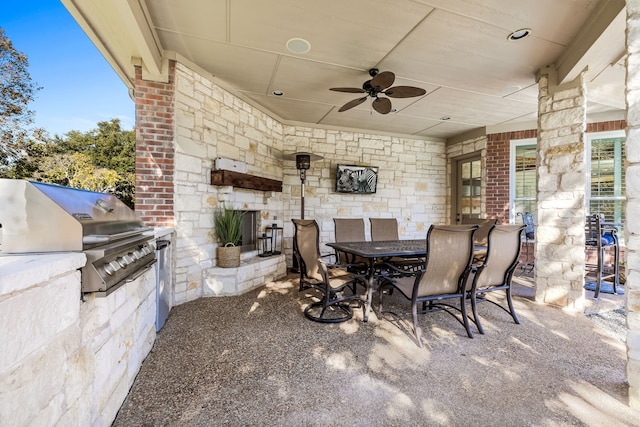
249, 231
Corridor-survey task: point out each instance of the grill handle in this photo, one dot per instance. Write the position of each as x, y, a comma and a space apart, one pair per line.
92, 239
139, 272
162, 243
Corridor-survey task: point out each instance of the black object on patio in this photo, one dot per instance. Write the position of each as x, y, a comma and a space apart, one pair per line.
604, 239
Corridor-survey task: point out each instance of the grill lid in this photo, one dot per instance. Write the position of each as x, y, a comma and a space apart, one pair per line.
38, 217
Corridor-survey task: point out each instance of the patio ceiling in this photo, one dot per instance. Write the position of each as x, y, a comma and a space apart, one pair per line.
457, 50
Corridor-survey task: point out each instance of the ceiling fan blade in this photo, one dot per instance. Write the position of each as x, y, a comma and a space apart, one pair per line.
383, 80
352, 104
382, 105
404, 91
348, 89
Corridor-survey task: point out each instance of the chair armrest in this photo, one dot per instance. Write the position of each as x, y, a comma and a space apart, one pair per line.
329, 265
331, 255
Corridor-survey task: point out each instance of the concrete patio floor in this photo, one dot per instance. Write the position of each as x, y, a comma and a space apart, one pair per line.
255, 360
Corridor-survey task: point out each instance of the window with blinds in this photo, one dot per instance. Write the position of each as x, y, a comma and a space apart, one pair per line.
607, 177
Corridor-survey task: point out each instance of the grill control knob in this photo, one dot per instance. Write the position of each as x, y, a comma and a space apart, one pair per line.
136, 254
128, 259
109, 269
123, 262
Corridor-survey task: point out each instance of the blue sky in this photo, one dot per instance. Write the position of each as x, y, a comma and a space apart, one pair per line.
79, 88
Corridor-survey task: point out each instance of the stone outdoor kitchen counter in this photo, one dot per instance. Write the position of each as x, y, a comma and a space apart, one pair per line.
68, 360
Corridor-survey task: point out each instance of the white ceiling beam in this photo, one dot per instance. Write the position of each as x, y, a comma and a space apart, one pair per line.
135, 17
596, 46
122, 30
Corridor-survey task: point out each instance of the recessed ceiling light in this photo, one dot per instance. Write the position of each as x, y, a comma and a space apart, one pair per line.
519, 34
297, 45
444, 118
278, 92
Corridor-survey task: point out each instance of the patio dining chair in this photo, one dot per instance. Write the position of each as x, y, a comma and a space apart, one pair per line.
337, 286
604, 239
384, 229
496, 271
443, 276
529, 237
480, 237
350, 230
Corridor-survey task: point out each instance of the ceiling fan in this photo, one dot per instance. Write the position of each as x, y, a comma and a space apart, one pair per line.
379, 85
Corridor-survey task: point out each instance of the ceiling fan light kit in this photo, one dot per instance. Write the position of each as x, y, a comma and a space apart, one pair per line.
379, 85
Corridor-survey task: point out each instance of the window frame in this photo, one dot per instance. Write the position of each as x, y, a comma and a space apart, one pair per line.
589, 137
514, 144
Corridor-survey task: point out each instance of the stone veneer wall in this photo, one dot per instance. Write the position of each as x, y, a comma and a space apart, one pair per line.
561, 188
65, 361
632, 229
210, 122
411, 184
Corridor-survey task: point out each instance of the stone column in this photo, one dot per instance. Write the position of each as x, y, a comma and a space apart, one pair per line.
559, 249
632, 226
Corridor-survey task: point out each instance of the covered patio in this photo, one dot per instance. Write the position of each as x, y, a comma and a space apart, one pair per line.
255, 360
208, 86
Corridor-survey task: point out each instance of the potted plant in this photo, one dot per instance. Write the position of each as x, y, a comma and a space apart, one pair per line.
227, 223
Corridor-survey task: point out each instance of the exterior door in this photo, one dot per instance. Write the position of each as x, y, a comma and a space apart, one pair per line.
469, 185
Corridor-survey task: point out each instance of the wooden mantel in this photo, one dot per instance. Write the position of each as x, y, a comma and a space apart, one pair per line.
242, 180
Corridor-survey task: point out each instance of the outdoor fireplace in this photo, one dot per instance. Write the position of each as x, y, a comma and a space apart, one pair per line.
249, 231
253, 238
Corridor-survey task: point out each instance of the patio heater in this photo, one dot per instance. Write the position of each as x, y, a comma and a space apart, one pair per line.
303, 163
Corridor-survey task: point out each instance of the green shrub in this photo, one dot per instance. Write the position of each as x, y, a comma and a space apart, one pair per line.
228, 225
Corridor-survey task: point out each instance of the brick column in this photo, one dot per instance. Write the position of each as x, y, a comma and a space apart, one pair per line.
155, 133
561, 192
632, 226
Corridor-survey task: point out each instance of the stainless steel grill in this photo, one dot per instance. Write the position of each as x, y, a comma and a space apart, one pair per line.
40, 218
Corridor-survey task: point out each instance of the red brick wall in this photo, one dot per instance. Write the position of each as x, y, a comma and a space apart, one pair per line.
155, 129
497, 165
606, 126
497, 170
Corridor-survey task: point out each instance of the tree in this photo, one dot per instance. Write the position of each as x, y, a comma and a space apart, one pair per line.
102, 159
17, 90
108, 145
